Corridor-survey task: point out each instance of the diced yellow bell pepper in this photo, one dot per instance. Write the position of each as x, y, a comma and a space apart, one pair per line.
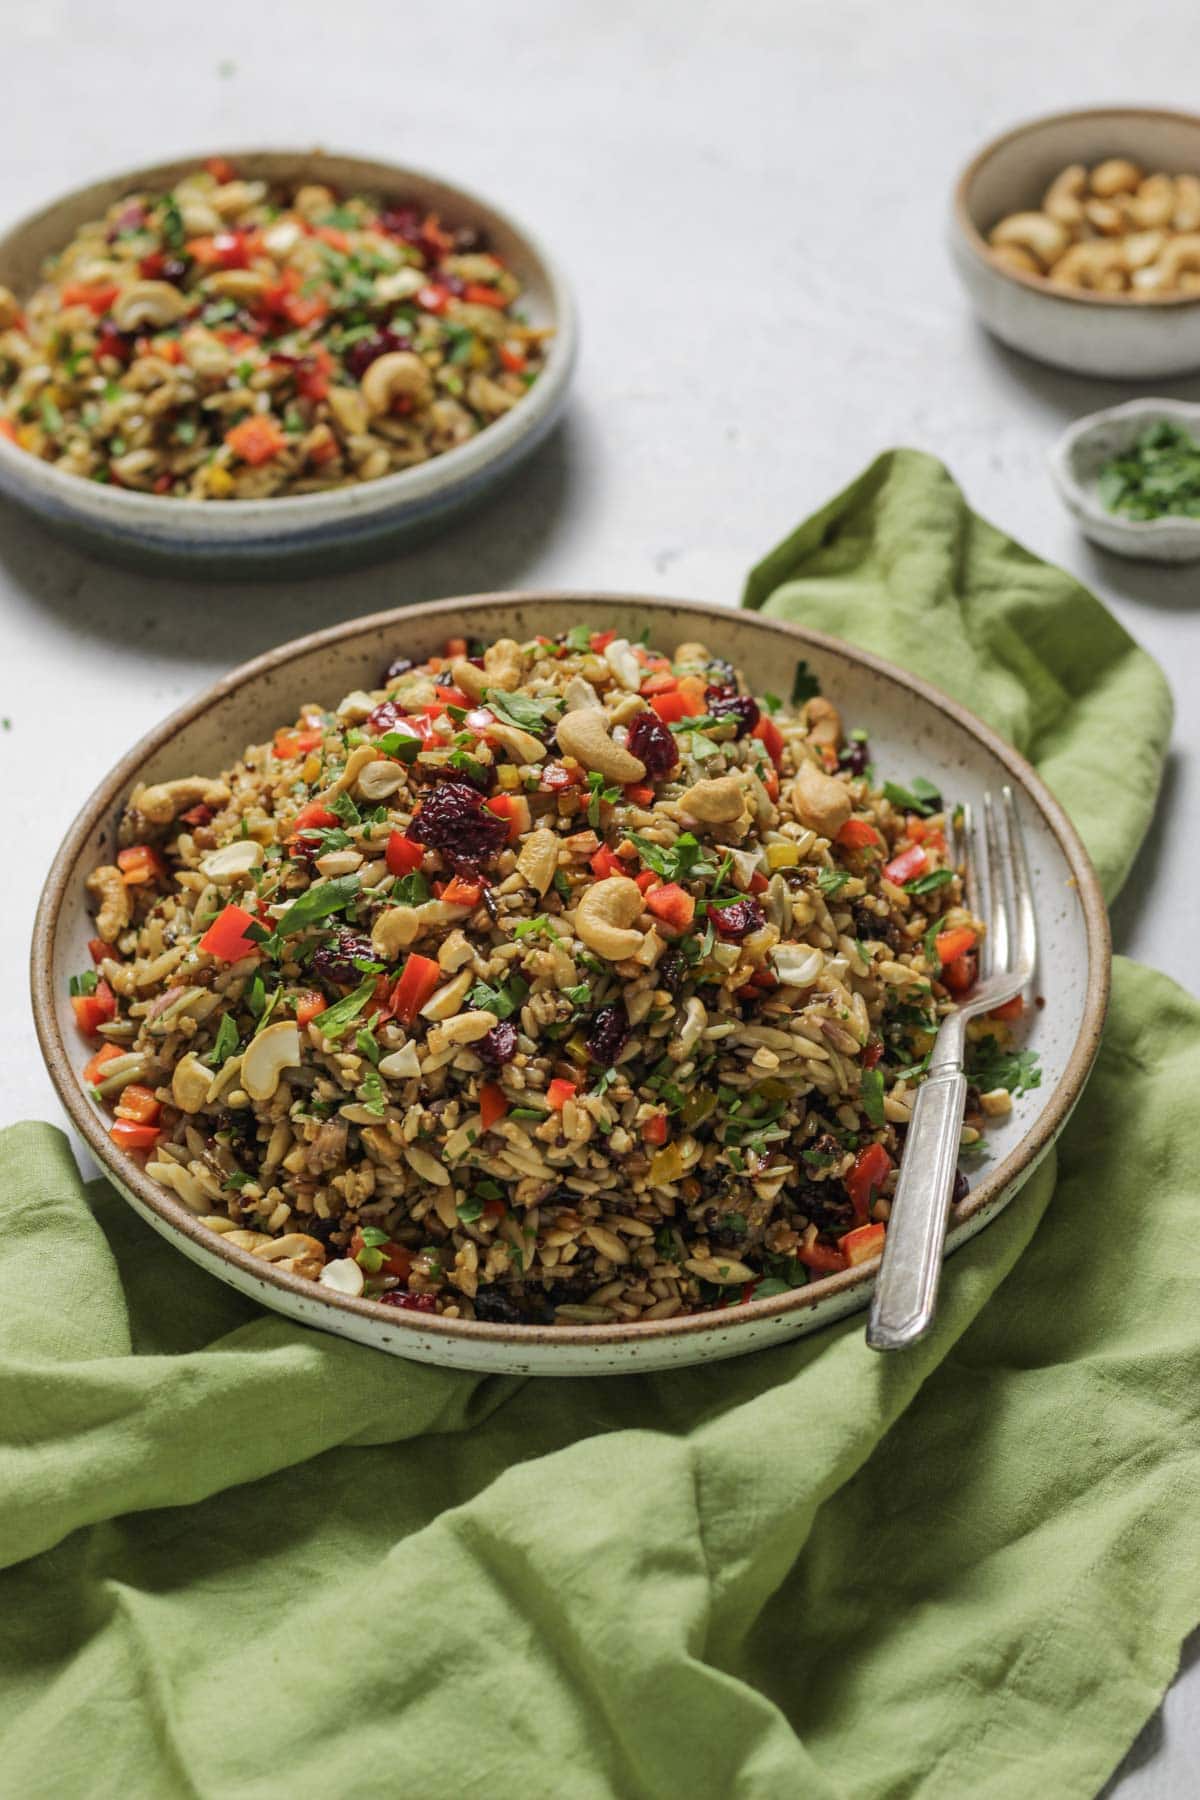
576, 1048
666, 1165
782, 856
508, 775
219, 481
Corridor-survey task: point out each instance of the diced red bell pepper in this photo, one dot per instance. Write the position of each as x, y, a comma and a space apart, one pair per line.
311, 818
512, 359
8, 430
312, 375
494, 1209
93, 1071
655, 1130
221, 169
872, 1053
128, 1136
871, 1168
98, 949
492, 1104
329, 234
256, 440
858, 834
292, 743
606, 862
559, 1092
226, 938
556, 778
672, 706
403, 854
821, 1257
310, 1006
432, 298
478, 294
959, 975
646, 880
861, 1244
459, 892
140, 863
1011, 1010
455, 647
639, 793
600, 640
397, 1261
93, 1010
663, 682
418, 980
197, 815
909, 863
768, 733
950, 945
758, 882
224, 250
97, 296
515, 809
672, 904
138, 1104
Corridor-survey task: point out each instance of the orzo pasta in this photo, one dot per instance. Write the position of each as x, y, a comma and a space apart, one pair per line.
231, 340
553, 981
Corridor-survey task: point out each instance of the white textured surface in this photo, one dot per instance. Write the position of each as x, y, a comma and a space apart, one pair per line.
750, 199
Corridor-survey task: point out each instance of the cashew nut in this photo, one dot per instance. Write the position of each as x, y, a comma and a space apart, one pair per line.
1044, 238
1154, 203
819, 801
1063, 199
538, 858
1141, 248
823, 720
231, 860
10, 308
1108, 217
445, 1001
690, 651
399, 926
1096, 265
579, 693
503, 664
718, 800
620, 657
164, 802
1187, 205
521, 744
268, 1055
190, 1082
1115, 176
349, 410
236, 284
1181, 253
296, 1253
463, 1028
152, 303
355, 763
343, 1275
115, 909
605, 915
399, 375
376, 780
470, 678
584, 735
1013, 257
401, 1065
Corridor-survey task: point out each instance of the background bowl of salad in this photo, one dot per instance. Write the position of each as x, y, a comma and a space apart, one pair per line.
1130, 478
426, 272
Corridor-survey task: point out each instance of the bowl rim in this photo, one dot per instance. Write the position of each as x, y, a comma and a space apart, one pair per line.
83, 1114
422, 482
1079, 497
1037, 284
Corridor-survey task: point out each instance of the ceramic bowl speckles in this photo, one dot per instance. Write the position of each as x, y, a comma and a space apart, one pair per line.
1111, 335
1081, 452
913, 730
314, 531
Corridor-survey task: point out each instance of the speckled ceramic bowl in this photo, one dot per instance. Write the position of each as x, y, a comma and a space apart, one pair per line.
1075, 464
346, 525
1092, 334
913, 729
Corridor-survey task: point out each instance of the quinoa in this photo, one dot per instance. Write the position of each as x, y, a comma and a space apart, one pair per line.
230, 339
562, 981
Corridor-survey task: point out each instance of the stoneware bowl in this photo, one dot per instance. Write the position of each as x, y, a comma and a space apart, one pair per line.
1081, 452
345, 525
1092, 334
913, 729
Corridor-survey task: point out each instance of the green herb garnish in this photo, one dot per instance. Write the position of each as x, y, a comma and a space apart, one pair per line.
338, 1018
322, 900
929, 882
990, 1066
919, 797
1158, 475
872, 1096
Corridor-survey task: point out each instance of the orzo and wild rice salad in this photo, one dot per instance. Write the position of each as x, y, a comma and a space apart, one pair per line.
230, 340
555, 981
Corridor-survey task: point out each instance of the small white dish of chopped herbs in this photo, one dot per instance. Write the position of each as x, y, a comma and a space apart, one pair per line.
1130, 478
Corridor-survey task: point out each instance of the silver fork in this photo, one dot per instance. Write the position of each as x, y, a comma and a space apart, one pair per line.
905, 1296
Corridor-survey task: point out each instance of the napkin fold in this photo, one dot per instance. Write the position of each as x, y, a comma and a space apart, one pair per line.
241, 1557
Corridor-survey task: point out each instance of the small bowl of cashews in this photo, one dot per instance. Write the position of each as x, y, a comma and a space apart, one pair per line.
1077, 237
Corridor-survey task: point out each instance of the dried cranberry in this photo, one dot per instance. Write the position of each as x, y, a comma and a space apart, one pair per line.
494, 1307
653, 744
468, 237
739, 707
334, 961
111, 342
738, 920
454, 819
855, 757
175, 269
609, 1034
410, 1302
387, 716
394, 670
402, 222
500, 1044
362, 354
482, 777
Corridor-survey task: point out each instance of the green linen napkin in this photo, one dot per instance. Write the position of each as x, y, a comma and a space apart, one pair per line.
244, 1558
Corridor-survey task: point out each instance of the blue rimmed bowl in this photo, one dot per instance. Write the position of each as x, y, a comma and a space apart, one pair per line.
344, 525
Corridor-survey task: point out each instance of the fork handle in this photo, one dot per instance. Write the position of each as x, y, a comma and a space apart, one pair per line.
906, 1288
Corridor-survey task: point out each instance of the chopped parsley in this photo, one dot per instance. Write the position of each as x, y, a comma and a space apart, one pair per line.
989, 1066
920, 796
929, 882
403, 745
320, 902
337, 1019
411, 889
872, 1096
226, 1043
832, 881
522, 710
